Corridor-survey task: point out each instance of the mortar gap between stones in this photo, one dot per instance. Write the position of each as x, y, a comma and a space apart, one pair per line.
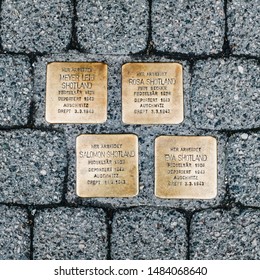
188, 216
66, 176
32, 109
228, 198
226, 45
31, 225
246, 56
1, 45
109, 220
74, 44
243, 207
150, 44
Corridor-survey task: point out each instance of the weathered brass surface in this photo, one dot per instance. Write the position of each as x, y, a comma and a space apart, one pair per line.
152, 93
186, 167
107, 165
76, 92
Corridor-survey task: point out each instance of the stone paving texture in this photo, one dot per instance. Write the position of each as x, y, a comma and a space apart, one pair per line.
70, 234
36, 25
16, 90
147, 234
14, 234
243, 26
112, 27
32, 167
188, 26
220, 234
217, 42
226, 94
243, 168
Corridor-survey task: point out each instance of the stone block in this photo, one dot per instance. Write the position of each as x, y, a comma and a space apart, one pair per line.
14, 233
146, 234
185, 26
226, 94
70, 234
225, 235
112, 27
16, 90
32, 167
243, 165
36, 26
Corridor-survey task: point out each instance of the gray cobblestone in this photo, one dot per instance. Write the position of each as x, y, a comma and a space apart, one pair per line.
14, 234
220, 234
149, 234
16, 90
188, 26
243, 26
112, 27
32, 167
225, 94
67, 233
243, 168
35, 25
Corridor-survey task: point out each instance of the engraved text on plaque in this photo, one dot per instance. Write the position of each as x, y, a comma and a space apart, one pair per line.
186, 167
152, 93
107, 165
76, 92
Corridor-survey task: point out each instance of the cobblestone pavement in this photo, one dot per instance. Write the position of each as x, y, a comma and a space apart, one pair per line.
218, 44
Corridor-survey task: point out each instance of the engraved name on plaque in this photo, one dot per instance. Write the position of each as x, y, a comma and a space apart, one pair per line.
76, 92
152, 93
107, 165
186, 167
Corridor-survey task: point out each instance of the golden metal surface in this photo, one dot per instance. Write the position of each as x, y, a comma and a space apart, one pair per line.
152, 93
76, 92
186, 167
107, 165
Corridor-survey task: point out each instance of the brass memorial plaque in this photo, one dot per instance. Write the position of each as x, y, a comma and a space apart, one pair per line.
152, 93
107, 165
76, 92
186, 167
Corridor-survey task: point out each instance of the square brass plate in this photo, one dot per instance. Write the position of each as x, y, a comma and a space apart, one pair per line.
186, 167
152, 93
107, 165
76, 92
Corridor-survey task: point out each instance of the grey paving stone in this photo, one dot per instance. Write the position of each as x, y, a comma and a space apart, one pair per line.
243, 168
14, 234
243, 26
32, 166
112, 27
226, 94
142, 233
16, 90
35, 25
188, 26
220, 234
70, 234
